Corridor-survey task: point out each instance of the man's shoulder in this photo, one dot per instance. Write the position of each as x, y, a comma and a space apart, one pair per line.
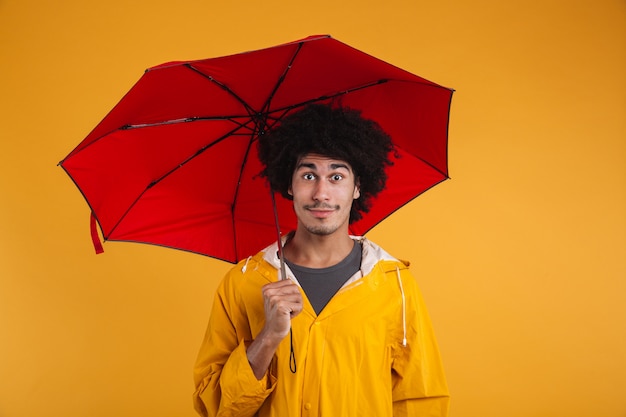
250, 269
375, 255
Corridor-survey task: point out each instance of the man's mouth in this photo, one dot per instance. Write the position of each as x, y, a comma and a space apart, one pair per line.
321, 210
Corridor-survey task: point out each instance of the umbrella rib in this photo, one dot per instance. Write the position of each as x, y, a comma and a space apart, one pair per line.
445, 174
348, 91
282, 77
231, 118
365, 231
236, 195
222, 86
286, 109
337, 94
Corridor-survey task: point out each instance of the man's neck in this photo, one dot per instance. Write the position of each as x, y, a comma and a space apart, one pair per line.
315, 251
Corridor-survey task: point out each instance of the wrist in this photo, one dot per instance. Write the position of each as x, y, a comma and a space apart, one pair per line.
261, 351
269, 339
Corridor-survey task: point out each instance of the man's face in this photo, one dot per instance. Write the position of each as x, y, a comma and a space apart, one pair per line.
323, 190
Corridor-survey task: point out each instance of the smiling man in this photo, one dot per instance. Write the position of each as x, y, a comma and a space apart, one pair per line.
347, 333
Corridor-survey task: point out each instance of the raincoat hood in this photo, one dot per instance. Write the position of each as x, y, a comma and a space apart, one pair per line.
371, 255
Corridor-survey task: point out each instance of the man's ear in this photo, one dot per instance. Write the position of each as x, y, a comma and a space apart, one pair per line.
357, 189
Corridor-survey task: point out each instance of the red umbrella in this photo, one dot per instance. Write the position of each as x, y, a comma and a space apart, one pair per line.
174, 163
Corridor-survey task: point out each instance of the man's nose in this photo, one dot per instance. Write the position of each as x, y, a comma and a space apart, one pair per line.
321, 190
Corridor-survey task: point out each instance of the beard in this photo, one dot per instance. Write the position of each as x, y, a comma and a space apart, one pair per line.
321, 229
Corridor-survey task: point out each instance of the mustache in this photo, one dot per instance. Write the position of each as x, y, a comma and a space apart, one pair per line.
318, 206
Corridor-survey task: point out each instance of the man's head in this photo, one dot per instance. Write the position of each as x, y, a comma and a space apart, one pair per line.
338, 133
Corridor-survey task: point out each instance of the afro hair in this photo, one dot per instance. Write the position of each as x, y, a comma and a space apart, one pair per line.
335, 132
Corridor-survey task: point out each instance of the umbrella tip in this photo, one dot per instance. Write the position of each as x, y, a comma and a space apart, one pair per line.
314, 37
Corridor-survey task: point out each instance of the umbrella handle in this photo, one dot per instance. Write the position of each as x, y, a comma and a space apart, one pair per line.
283, 275
283, 272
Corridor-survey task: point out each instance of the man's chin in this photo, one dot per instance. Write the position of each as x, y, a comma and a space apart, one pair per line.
321, 230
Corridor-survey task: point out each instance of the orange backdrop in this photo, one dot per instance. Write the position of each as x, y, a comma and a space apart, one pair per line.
521, 256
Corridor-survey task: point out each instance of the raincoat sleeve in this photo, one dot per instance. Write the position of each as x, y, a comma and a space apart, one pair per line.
419, 383
225, 383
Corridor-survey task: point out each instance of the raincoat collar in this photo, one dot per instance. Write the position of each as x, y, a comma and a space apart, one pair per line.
372, 255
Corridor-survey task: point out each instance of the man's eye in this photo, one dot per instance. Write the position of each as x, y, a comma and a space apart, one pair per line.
308, 176
337, 177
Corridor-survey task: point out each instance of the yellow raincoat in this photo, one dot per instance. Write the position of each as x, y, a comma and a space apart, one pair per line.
370, 352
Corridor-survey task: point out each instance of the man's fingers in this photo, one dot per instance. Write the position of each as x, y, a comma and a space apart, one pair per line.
280, 288
283, 302
283, 296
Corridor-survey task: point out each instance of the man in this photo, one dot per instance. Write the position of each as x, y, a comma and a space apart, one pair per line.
347, 333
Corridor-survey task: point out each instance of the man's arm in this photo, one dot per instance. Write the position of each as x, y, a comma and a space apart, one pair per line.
231, 375
224, 381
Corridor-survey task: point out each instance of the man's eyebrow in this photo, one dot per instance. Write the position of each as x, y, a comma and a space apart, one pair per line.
311, 165
337, 166
306, 165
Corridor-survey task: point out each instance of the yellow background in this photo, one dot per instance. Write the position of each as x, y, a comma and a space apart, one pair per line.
521, 256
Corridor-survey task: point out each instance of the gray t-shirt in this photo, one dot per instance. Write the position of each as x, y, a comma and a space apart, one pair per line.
321, 284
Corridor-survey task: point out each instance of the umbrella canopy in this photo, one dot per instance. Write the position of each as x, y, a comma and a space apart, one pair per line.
175, 162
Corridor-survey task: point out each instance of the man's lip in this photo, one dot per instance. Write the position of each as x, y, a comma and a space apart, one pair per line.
321, 212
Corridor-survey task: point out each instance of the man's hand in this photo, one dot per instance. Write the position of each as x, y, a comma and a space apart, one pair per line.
282, 301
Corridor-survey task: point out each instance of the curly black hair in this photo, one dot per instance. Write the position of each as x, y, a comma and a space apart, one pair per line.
335, 132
